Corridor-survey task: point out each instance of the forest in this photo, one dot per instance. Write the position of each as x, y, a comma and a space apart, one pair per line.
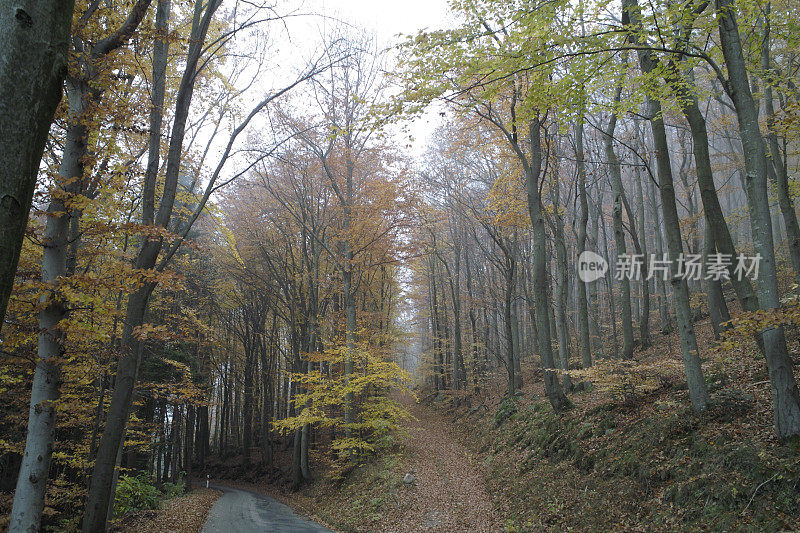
531, 266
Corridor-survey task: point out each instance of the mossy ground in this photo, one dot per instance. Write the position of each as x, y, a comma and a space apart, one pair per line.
641, 463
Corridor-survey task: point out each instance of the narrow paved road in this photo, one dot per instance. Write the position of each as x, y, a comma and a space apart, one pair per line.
242, 511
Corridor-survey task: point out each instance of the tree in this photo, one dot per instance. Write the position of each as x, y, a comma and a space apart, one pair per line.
34, 39
785, 395
619, 231
691, 359
84, 94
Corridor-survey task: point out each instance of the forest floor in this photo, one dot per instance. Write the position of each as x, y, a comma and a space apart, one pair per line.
630, 455
182, 514
448, 492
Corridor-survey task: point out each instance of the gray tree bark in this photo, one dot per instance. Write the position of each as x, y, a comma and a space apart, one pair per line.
34, 38
717, 308
698, 392
533, 170
658, 241
785, 396
61, 235
583, 300
619, 229
777, 160
32, 479
594, 287
562, 285
100, 486
644, 321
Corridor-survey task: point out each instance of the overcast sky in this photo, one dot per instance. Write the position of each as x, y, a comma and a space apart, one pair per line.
297, 39
386, 18
382, 19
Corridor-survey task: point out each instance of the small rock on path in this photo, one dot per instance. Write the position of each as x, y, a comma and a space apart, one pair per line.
449, 491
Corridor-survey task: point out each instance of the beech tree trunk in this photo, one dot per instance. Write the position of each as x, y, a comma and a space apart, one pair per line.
715, 219
32, 479
717, 308
583, 300
593, 289
777, 161
562, 286
507, 328
644, 320
785, 396
100, 487
619, 229
58, 262
541, 300
34, 39
691, 358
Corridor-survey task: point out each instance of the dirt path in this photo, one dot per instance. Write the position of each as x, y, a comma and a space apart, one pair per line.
449, 493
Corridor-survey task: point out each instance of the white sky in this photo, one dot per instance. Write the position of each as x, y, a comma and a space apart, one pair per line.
382, 19
298, 38
385, 18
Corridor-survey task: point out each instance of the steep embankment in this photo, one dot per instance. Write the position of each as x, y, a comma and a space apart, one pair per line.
636, 457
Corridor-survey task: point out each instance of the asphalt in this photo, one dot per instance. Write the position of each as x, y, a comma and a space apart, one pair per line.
242, 511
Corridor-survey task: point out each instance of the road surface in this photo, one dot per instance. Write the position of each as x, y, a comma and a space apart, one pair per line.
242, 511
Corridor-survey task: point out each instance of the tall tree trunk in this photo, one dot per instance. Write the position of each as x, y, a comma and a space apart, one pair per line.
459, 374
532, 174
680, 290
661, 286
100, 489
508, 330
562, 285
583, 300
717, 308
350, 336
785, 396
247, 393
169, 441
438, 352
61, 236
188, 441
612, 309
177, 416
594, 287
32, 480
644, 321
473, 321
201, 443
268, 356
778, 161
619, 229
34, 38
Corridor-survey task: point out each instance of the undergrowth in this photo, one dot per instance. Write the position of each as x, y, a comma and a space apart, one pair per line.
663, 469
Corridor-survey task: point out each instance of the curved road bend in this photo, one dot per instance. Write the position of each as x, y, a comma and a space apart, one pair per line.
242, 511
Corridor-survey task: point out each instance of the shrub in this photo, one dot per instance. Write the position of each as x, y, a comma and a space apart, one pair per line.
171, 490
378, 416
135, 494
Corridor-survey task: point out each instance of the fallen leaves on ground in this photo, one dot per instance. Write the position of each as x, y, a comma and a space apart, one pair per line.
183, 514
449, 492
